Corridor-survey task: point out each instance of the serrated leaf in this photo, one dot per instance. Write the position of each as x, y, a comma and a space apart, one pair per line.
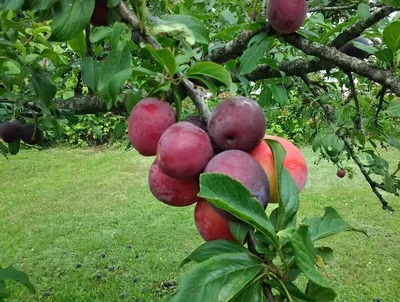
288, 192
329, 224
254, 293
279, 93
17, 276
253, 54
90, 72
239, 230
304, 252
393, 3
199, 30
319, 293
70, 18
165, 58
232, 196
391, 37
212, 70
213, 248
44, 87
219, 278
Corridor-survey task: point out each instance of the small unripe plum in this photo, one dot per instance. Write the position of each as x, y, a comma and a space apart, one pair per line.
352, 51
32, 135
210, 224
147, 122
184, 150
242, 167
294, 162
100, 14
287, 16
237, 123
11, 131
341, 173
172, 191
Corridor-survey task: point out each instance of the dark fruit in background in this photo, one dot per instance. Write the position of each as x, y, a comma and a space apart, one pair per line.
210, 224
32, 135
244, 168
341, 173
100, 14
147, 122
197, 121
287, 16
172, 191
352, 51
184, 150
11, 131
237, 123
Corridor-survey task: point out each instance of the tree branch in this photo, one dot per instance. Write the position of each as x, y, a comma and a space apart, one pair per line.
127, 16
349, 147
345, 62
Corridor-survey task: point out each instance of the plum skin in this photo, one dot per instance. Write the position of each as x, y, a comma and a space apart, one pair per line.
237, 123
210, 224
11, 131
244, 168
171, 191
184, 150
147, 122
287, 16
32, 135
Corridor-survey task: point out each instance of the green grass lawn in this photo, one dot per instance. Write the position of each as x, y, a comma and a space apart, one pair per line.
62, 207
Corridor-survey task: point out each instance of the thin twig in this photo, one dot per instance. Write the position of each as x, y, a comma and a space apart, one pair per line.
381, 96
349, 148
357, 118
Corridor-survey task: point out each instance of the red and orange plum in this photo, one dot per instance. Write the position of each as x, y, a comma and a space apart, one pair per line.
184, 150
147, 122
210, 224
294, 162
237, 123
171, 191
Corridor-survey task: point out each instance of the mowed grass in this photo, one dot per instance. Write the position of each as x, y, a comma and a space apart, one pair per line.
61, 208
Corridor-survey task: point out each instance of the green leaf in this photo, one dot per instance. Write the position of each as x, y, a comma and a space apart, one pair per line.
363, 11
219, 278
288, 192
44, 87
17, 276
11, 4
210, 85
239, 230
4, 293
119, 129
252, 293
391, 37
319, 293
304, 254
393, 108
198, 28
232, 196
393, 3
70, 18
38, 4
99, 33
279, 93
212, 70
90, 72
326, 253
165, 58
213, 248
78, 45
253, 54
133, 99
329, 224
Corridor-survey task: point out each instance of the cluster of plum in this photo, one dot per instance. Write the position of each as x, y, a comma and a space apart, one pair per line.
13, 131
231, 144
